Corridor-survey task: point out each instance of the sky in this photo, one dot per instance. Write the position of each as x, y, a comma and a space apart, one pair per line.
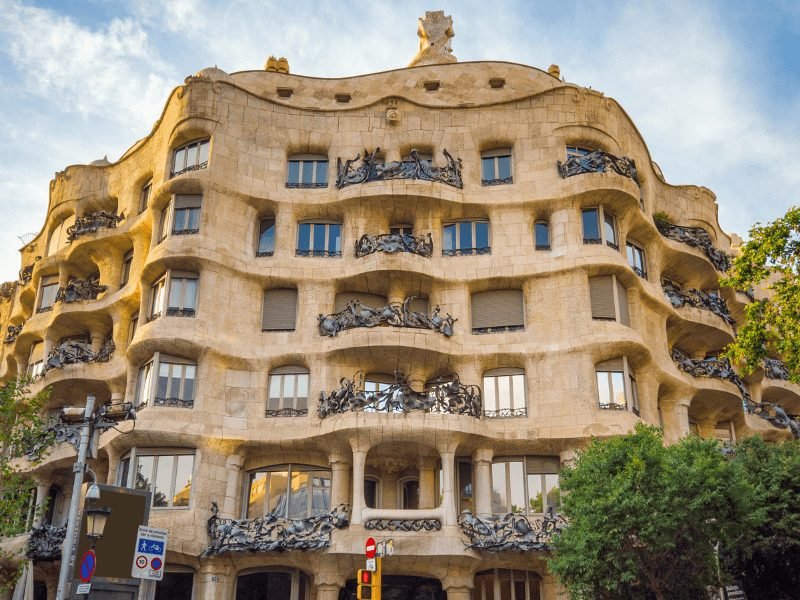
713, 86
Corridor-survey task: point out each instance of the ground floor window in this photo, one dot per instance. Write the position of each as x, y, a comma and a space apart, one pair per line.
275, 584
176, 585
507, 584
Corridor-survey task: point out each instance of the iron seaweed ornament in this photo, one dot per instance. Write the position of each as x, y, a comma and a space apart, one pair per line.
396, 315
598, 162
392, 243
91, 222
403, 524
698, 298
77, 290
72, 352
271, 533
44, 544
775, 369
449, 396
372, 169
511, 532
696, 237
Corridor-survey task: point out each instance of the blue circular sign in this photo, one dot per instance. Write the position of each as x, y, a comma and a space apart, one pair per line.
156, 563
88, 564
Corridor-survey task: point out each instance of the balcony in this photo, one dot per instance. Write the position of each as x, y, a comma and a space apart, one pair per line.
447, 396
44, 543
12, 332
697, 298
372, 169
696, 237
775, 369
78, 290
392, 243
74, 352
512, 532
91, 223
396, 315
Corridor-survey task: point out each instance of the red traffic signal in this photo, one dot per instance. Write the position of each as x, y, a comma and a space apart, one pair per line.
364, 577
364, 588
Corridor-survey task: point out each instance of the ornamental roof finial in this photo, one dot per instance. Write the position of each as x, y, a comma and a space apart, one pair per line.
434, 32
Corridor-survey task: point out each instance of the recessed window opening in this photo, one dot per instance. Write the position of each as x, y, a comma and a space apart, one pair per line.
190, 157
466, 238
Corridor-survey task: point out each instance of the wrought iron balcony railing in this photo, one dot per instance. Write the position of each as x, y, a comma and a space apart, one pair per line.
512, 532
286, 412
13, 332
775, 369
173, 402
78, 290
598, 162
497, 329
392, 243
25, 274
497, 181
394, 314
174, 311
318, 253
197, 167
504, 413
403, 524
466, 251
44, 544
91, 222
679, 297
72, 352
372, 169
446, 395
696, 237
271, 533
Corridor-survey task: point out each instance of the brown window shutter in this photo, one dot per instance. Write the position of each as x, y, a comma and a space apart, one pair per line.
279, 310
601, 291
615, 364
188, 201
498, 308
368, 300
622, 297
543, 464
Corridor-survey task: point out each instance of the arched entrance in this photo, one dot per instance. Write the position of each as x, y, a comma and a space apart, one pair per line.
401, 587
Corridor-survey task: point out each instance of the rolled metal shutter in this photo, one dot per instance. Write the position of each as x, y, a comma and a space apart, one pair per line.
498, 308
279, 311
601, 292
622, 297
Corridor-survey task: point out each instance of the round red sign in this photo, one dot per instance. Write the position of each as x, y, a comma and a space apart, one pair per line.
370, 548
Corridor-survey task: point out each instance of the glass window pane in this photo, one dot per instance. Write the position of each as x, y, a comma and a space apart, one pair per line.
553, 490
516, 478
631, 260
145, 375
449, 237
275, 382
321, 499
288, 387
183, 480
294, 171
542, 234
481, 234
535, 493
124, 471
304, 237
163, 379
302, 385
504, 167
176, 293
371, 493
191, 155
144, 473
161, 493
319, 237
322, 172
266, 237
188, 382
203, 152
411, 495
487, 169
193, 219
499, 497
489, 397
175, 381
190, 294
298, 498
180, 160
465, 235
503, 392
464, 486
591, 227
256, 495
518, 394
308, 171
610, 229
604, 396
277, 492
334, 238
618, 386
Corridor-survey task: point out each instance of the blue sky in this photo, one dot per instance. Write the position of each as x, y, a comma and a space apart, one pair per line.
714, 87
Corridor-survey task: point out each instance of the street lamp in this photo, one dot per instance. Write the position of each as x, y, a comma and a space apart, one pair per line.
96, 517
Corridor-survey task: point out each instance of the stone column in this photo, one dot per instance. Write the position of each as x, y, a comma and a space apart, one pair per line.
458, 587
340, 480
482, 486
97, 341
427, 481
328, 591
41, 499
113, 464
214, 582
448, 486
675, 418
233, 465
706, 427
359, 462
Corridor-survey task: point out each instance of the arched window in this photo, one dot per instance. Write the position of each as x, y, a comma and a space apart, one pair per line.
144, 195
307, 171
504, 393
288, 392
190, 157
181, 216
288, 492
599, 225
372, 491
636, 258
273, 584
266, 236
496, 168
409, 493
48, 289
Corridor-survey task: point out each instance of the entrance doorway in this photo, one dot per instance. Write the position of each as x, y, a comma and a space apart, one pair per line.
401, 587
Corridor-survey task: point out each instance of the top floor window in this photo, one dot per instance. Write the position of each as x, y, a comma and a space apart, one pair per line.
319, 239
465, 238
144, 195
599, 226
307, 171
541, 234
58, 236
190, 157
636, 259
496, 167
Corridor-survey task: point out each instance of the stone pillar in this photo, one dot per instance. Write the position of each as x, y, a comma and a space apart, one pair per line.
397, 292
97, 341
448, 487
113, 464
675, 417
41, 499
427, 481
233, 465
359, 462
388, 494
458, 587
482, 486
340, 480
214, 582
706, 427
328, 579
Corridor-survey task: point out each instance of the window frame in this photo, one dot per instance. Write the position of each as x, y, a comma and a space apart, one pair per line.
261, 231
615, 285
518, 407
630, 388
401, 495
602, 223
315, 160
144, 195
283, 409
526, 472
494, 156
202, 147
127, 472
35, 370
127, 262
378, 491
458, 250
289, 469
47, 284
540, 247
161, 295
495, 578
168, 221
147, 382
313, 225
634, 251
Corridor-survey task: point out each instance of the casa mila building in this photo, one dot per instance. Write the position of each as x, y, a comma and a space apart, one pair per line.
389, 305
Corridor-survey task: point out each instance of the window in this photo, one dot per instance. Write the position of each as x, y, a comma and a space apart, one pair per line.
48, 288
144, 195
465, 238
541, 234
191, 157
577, 152
402, 229
307, 171
409, 493
279, 310
496, 166
168, 475
58, 237
134, 324
274, 584
616, 385
127, 261
609, 299
181, 216
177, 584
636, 259
465, 499
593, 233
288, 492
36, 361
266, 237
182, 299
504, 393
527, 485
319, 239
174, 385
497, 311
288, 392
371, 492
507, 584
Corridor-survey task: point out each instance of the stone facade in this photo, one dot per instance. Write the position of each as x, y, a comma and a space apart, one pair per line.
217, 204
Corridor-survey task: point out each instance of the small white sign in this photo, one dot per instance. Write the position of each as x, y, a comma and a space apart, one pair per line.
83, 588
150, 553
372, 564
389, 548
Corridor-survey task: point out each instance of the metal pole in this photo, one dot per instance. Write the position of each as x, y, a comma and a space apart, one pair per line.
78, 468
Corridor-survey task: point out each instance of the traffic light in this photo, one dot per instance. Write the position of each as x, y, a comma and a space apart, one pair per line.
364, 590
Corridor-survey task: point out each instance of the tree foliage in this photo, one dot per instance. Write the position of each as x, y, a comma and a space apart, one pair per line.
644, 518
771, 260
768, 565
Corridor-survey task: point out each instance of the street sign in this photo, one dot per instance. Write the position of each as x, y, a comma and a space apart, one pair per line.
385, 548
149, 554
372, 565
370, 547
83, 588
88, 565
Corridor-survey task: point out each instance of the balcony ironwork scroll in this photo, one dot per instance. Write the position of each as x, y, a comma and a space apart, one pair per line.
25, 274
505, 413
598, 162
78, 290
446, 395
189, 169
392, 243
775, 369
7, 290
372, 169
679, 297
91, 223
73, 352
174, 402
720, 368
286, 412
512, 532
44, 543
403, 524
273, 534
13, 332
696, 237
397, 315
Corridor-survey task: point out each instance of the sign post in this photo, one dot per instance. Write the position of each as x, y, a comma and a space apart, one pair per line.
150, 553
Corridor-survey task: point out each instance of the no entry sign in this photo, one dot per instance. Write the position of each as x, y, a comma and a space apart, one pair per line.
370, 547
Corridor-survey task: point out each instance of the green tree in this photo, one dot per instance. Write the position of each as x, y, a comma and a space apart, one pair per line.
771, 260
644, 518
768, 566
21, 429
